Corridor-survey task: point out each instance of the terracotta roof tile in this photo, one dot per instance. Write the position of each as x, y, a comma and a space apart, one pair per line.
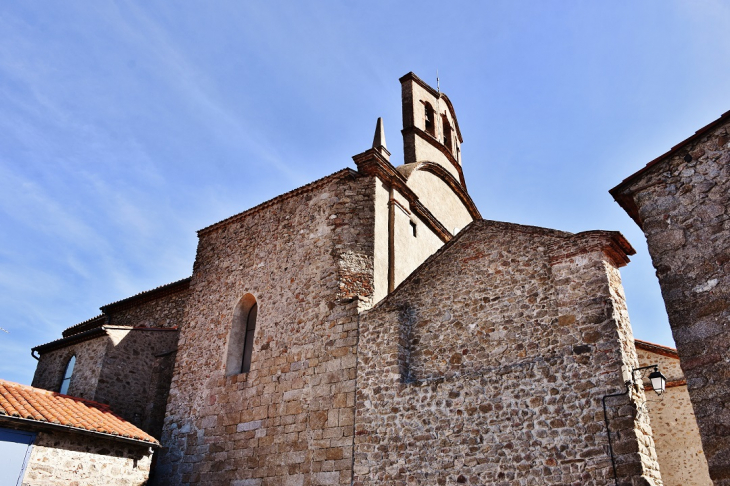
656, 348
30, 403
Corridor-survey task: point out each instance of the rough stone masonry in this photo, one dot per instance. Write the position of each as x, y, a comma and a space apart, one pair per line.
488, 366
681, 201
398, 338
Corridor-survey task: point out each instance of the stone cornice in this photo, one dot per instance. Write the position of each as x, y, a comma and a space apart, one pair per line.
372, 163
431, 220
612, 243
411, 76
623, 194
656, 348
92, 323
697, 136
72, 339
92, 334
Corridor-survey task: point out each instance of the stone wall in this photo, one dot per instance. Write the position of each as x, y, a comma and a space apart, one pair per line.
89, 360
127, 369
136, 374
149, 309
682, 201
306, 257
677, 438
63, 459
488, 365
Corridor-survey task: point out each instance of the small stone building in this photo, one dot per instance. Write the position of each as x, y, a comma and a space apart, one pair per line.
372, 328
122, 358
51, 439
676, 436
681, 200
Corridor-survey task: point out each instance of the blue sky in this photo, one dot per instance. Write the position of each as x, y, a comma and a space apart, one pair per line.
125, 127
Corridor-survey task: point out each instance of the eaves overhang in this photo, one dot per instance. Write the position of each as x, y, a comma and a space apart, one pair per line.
624, 196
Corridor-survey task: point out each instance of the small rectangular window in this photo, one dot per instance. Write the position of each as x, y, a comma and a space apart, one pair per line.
414, 228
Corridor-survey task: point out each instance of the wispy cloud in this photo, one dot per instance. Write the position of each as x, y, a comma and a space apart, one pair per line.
198, 89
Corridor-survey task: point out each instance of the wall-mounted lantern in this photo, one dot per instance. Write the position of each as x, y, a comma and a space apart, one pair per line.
658, 383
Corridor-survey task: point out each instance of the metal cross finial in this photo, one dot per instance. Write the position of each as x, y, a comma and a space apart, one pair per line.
438, 86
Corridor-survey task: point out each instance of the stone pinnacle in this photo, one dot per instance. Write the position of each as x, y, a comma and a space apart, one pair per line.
379, 139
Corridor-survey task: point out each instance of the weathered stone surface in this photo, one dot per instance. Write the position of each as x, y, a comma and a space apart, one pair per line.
307, 259
468, 374
136, 374
166, 310
681, 202
63, 459
89, 362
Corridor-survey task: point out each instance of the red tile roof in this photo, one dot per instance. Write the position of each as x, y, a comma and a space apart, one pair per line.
51, 408
656, 348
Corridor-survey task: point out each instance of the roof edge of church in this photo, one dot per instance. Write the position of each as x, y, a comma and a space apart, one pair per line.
147, 295
282, 197
549, 232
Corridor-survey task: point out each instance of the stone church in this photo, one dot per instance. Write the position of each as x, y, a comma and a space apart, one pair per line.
370, 328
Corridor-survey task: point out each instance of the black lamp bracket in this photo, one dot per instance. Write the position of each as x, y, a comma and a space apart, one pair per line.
634, 370
640, 406
643, 404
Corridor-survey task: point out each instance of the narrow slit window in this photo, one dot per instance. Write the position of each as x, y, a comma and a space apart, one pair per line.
67, 376
248, 342
414, 228
447, 133
241, 336
429, 122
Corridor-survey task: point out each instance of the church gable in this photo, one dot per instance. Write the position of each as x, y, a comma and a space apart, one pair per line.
509, 334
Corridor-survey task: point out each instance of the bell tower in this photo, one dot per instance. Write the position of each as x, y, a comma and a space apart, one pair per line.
430, 129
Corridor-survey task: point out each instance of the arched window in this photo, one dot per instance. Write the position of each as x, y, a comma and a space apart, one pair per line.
67, 375
240, 339
430, 122
447, 133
